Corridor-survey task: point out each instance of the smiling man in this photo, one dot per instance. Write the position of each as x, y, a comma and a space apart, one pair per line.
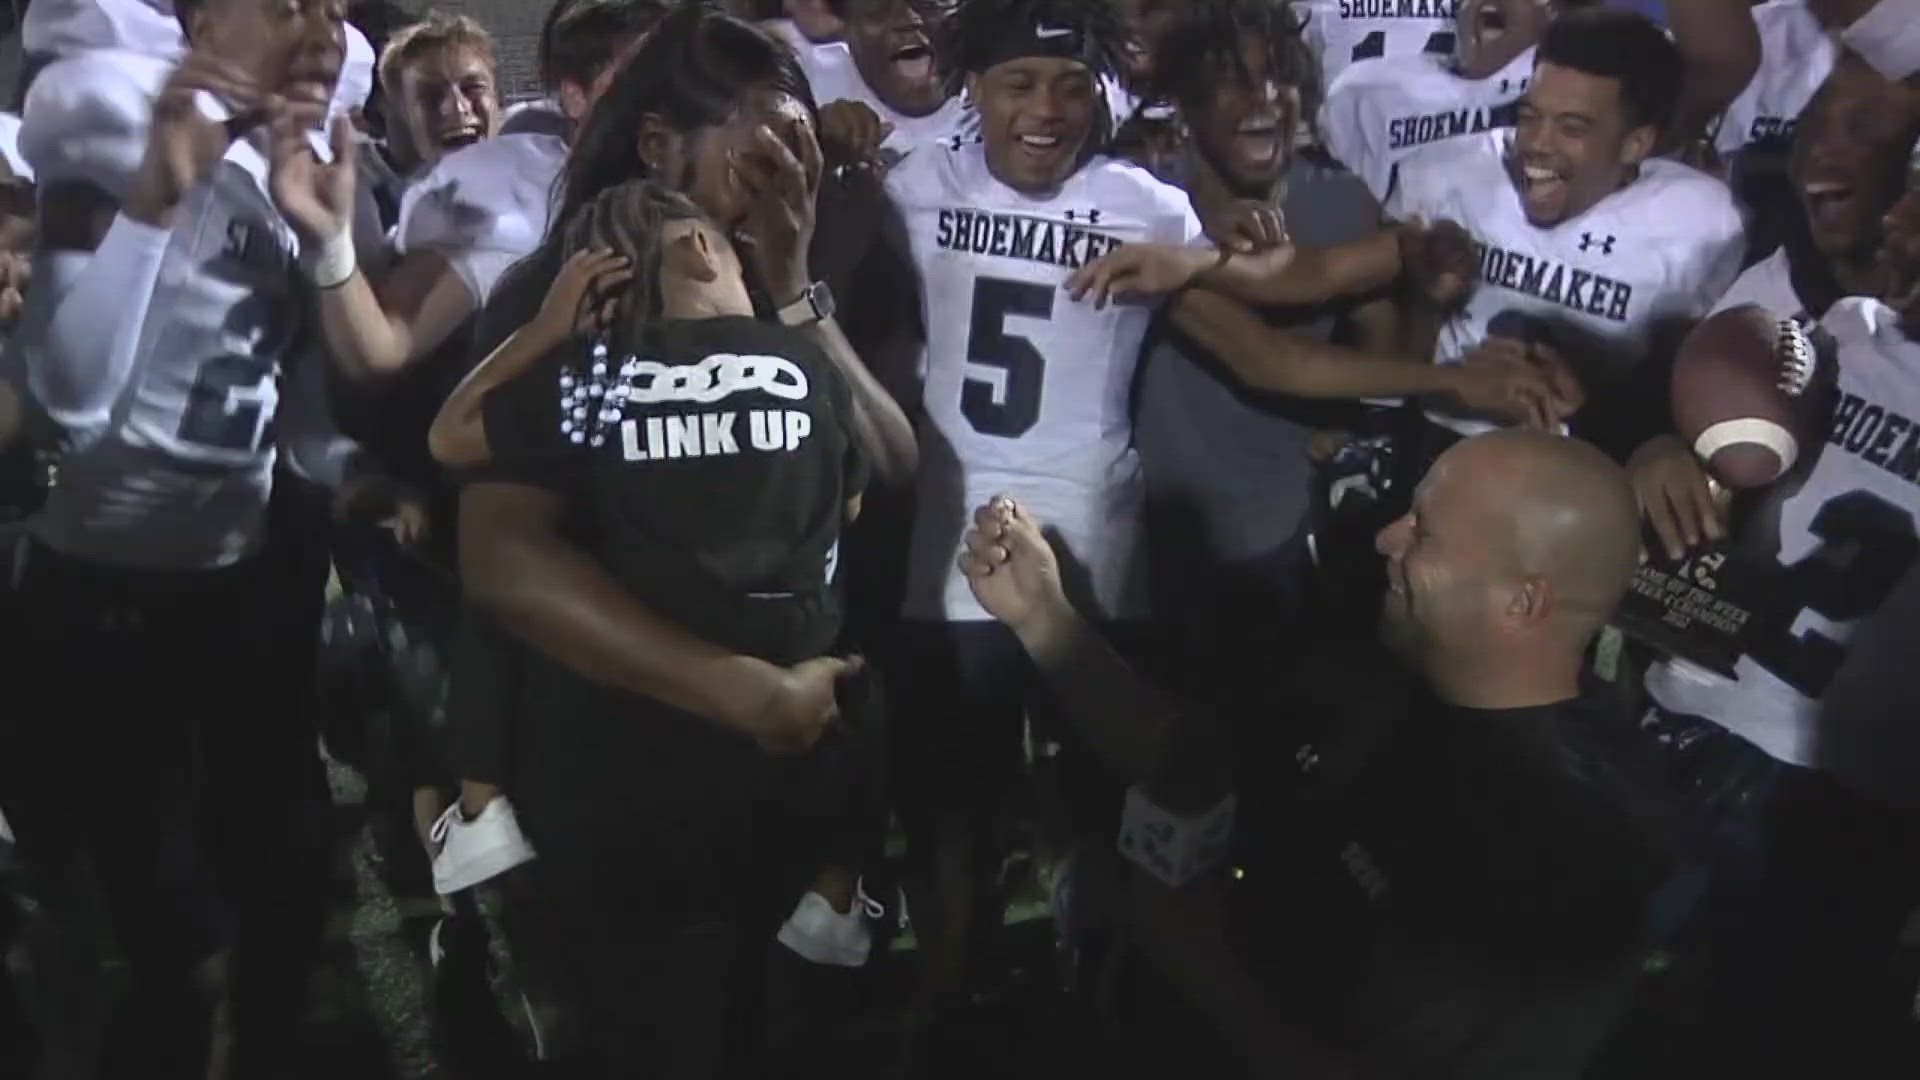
1021, 385
442, 90
1590, 247
887, 63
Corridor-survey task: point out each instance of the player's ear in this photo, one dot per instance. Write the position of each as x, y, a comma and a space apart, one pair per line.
973, 87
1639, 145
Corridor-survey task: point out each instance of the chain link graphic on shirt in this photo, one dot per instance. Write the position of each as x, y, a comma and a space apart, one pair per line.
592, 403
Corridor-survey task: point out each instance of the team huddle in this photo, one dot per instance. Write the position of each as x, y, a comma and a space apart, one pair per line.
1389, 516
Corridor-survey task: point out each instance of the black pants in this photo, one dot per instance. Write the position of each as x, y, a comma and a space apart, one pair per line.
158, 723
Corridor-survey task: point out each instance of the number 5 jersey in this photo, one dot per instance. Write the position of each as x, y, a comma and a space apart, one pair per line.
1845, 536
1025, 390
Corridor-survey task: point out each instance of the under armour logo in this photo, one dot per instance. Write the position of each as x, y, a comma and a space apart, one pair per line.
1605, 244
1092, 216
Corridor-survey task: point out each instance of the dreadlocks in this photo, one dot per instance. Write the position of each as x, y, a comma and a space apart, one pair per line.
982, 33
629, 218
1207, 34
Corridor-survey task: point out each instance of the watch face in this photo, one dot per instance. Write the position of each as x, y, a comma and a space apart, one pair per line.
822, 299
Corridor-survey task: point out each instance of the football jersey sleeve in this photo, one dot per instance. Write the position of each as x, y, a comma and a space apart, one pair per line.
1720, 236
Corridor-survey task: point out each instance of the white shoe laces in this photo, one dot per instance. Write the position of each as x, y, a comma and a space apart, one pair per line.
868, 904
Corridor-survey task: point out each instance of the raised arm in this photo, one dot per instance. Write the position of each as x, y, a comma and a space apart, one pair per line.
458, 437
1721, 46
98, 257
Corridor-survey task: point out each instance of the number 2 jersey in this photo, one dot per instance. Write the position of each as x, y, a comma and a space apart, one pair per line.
1025, 390
177, 473
1601, 286
1846, 535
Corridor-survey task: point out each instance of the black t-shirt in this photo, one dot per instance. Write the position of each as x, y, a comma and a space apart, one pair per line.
1463, 885
713, 470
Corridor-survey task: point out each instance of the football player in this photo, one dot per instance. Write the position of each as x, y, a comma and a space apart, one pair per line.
1383, 108
887, 63
479, 211
1228, 399
442, 90
1797, 50
1020, 389
1593, 252
158, 641
1810, 873
1343, 32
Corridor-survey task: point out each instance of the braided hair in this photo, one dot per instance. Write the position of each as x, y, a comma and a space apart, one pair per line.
630, 219
1208, 33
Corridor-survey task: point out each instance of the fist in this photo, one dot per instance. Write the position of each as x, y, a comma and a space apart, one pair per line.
1010, 566
1440, 261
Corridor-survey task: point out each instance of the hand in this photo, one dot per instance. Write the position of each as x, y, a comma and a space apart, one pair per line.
1440, 261
184, 143
851, 134
316, 197
1675, 495
1246, 226
583, 298
802, 706
782, 186
1010, 566
16, 274
1518, 382
1139, 270
379, 501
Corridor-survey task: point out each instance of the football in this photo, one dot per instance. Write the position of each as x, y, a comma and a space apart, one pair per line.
1748, 395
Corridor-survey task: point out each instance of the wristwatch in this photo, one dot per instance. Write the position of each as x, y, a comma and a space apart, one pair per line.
815, 305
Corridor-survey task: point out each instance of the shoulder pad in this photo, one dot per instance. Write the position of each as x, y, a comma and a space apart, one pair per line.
86, 118
494, 195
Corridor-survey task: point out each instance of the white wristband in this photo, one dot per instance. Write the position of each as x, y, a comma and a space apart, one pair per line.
1888, 38
1174, 847
333, 263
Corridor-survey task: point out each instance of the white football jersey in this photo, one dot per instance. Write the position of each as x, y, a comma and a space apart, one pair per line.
1378, 111
178, 475
1768, 283
1342, 32
484, 207
61, 28
1661, 249
835, 77
1845, 537
1026, 391
1795, 57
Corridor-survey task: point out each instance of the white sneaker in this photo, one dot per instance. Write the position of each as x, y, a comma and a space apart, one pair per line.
474, 851
822, 935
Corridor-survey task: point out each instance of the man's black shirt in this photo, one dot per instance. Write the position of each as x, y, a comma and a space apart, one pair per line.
1437, 874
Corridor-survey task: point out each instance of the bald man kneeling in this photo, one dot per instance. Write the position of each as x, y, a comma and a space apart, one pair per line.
1446, 871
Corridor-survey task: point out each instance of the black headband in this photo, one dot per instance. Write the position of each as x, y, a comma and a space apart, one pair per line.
1063, 41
